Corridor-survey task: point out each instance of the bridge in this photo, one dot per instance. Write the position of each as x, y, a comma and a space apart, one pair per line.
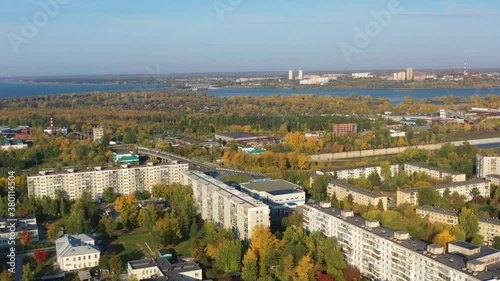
193, 163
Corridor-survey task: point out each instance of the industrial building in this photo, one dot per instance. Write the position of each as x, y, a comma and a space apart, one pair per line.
123, 180
383, 254
242, 138
280, 195
225, 206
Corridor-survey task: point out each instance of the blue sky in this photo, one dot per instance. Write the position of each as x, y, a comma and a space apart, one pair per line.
127, 37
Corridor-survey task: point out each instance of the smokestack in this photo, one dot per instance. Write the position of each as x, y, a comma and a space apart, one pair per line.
52, 130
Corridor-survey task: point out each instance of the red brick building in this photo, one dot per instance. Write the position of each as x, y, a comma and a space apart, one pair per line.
343, 129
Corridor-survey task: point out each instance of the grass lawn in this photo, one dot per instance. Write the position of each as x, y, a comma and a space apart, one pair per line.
236, 178
183, 248
132, 245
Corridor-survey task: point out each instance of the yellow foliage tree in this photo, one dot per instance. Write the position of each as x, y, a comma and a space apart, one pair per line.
262, 239
124, 199
443, 238
303, 268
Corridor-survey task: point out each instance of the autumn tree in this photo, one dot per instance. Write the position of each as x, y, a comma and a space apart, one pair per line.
443, 238
167, 231
351, 273
124, 200
304, 267
53, 230
41, 255
25, 238
6, 275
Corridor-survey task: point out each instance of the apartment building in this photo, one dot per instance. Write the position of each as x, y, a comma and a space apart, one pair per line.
487, 164
383, 254
226, 206
360, 195
97, 133
161, 269
494, 179
124, 180
77, 252
488, 227
434, 172
358, 172
19, 224
343, 129
463, 188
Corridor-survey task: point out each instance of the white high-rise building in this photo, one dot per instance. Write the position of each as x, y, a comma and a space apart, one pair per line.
301, 75
225, 206
487, 164
382, 254
290, 74
124, 180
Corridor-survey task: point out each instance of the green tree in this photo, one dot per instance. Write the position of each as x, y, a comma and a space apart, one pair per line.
53, 230
229, 255
108, 196
469, 223
496, 244
167, 231
334, 259
319, 186
28, 273
74, 223
428, 196
148, 217
250, 269
375, 179
109, 225
115, 264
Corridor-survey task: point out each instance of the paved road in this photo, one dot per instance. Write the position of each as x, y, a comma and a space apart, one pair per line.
19, 266
194, 163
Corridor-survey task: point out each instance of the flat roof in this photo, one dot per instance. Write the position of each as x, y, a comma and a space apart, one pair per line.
225, 190
240, 135
93, 169
455, 213
356, 189
420, 165
274, 187
493, 176
452, 260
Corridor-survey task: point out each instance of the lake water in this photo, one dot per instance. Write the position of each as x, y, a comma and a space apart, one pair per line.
8, 90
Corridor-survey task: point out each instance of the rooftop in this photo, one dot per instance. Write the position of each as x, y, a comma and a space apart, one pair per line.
451, 172
226, 191
75, 245
93, 169
240, 135
455, 213
274, 187
356, 189
452, 260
